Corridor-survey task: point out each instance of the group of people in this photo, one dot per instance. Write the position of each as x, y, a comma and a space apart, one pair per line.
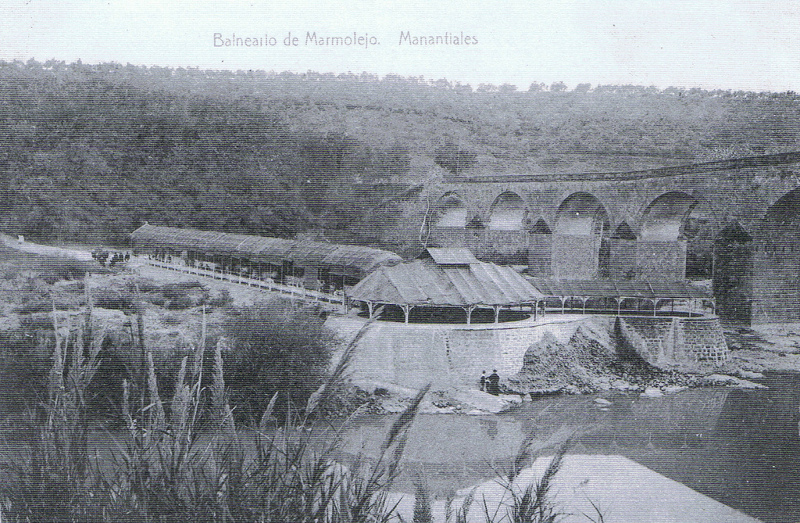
490, 384
112, 257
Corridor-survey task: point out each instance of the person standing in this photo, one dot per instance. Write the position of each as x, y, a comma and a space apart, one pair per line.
494, 383
483, 381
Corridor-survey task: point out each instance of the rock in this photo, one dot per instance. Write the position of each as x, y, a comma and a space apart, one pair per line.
651, 392
392, 406
570, 389
622, 385
671, 389
750, 375
731, 381
511, 398
603, 385
602, 402
481, 401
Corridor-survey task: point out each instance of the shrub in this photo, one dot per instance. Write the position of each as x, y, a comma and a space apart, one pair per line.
221, 299
109, 299
53, 269
180, 303
24, 363
274, 348
179, 289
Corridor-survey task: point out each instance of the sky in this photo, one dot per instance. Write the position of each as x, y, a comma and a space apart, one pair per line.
712, 44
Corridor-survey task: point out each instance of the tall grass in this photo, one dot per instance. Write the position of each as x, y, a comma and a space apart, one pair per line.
185, 459
52, 478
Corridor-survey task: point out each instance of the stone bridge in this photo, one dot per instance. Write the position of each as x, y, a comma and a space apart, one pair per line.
736, 222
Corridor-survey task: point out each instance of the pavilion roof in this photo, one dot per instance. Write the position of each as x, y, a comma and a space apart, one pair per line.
264, 249
424, 282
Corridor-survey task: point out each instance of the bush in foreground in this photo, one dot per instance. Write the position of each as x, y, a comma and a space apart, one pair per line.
275, 349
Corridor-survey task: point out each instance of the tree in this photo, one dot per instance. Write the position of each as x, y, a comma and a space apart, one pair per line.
453, 158
558, 87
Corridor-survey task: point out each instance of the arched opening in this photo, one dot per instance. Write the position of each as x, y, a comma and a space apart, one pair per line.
776, 262
676, 241
581, 214
577, 247
506, 238
507, 212
450, 211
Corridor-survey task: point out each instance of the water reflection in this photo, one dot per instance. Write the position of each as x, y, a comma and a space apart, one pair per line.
740, 447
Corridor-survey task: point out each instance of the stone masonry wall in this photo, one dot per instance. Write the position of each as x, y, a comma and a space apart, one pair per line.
575, 257
661, 260
443, 355
540, 254
776, 278
674, 342
733, 282
621, 259
702, 338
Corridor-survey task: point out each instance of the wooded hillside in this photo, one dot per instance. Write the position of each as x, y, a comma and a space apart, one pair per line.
91, 151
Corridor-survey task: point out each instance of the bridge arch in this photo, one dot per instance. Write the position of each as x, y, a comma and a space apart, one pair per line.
673, 215
581, 214
507, 212
776, 261
578, 251
450, 211
679, 228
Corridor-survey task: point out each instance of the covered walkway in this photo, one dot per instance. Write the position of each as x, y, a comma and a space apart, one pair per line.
623, 297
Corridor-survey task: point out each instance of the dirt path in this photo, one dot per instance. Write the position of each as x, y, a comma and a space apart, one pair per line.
36, 248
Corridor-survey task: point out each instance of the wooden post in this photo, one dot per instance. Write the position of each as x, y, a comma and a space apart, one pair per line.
370, 307
469, 314
496, 313
406, 311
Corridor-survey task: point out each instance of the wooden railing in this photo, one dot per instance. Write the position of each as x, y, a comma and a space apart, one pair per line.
294, 291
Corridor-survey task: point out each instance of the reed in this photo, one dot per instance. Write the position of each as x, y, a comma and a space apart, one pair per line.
185, 459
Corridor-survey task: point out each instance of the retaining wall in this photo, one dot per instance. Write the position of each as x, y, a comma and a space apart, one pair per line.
444, 355
673, 342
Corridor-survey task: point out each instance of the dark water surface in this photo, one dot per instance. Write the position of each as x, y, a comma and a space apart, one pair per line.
739, 447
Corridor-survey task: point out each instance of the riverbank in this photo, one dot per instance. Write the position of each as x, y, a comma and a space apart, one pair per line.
586, 362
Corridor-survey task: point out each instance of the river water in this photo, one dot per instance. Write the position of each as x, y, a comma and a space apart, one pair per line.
739, 447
